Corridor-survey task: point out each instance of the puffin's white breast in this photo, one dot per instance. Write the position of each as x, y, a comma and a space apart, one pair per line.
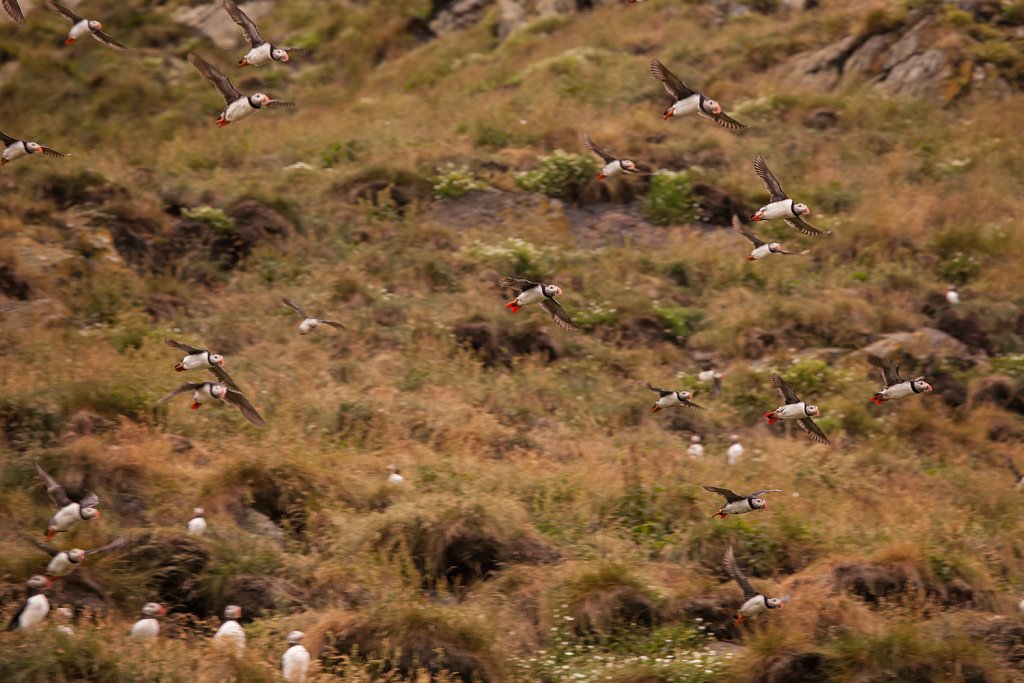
754, 605
777, 210
793, 411
685, 106
146, 629
66, 517
294, 664
36, 609
197, 526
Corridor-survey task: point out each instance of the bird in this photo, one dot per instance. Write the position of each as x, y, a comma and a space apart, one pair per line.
238, 105
395, 476
15, 148
667, 399
795, 409
295, 661
148, 627
1017, 474
309, 323
35, 608
736, 504
686, 100
780, 205
201, 359
202, 392
262, 51
696, 450
952, 296
81, 26
613, 165
530, 293
64, 617
231, 632
762, 248
735, 452
895, 385
197, 525
709, 375
14, 10
753, 602
69, 513
63, 562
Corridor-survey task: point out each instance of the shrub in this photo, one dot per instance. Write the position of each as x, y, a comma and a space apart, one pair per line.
561, 175
670, 199
219, 222
454, 181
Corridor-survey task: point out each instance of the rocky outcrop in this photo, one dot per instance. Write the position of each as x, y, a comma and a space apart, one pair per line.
923, 345
213, 22
510, 15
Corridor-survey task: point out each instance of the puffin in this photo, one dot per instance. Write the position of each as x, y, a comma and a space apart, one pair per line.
613, 165
668, 399
762, 248
295, 660
952, 296
308, 323
64, 616
530, 293
753, 602
15, 148
1017, 474
780, 205
197, 525
735, 504
687, 100
394, 475
81, 26
231, 632
14, 10
795, 409
735, 452
201, 359
203, 392
895, 385
63, 562
696, 449
148, 627
69, 513
709, 375
238, 105
35, 608
262, 51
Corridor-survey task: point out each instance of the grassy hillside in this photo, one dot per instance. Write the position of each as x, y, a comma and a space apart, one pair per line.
551, 528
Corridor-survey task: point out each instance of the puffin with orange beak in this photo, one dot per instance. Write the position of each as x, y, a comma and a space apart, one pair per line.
754, 602
262, 51
81, 27
735, 504
688, 101
13, 148
895, 385
35, 608
201, 359
780, 205
69, 513
613, 165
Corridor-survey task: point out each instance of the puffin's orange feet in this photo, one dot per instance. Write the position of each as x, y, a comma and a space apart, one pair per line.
243, 63
756, 217
751, 258
655, 409
512, 306
738, 621
222, 122
50, 534
194, 406
69, 41
180, 367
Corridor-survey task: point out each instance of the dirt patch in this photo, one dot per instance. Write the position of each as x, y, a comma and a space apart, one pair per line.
878, 583
497, 346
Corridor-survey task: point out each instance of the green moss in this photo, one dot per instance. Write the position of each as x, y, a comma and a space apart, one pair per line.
670, 199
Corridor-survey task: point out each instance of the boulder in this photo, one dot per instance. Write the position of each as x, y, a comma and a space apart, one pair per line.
12, 285
213, 22
924, 345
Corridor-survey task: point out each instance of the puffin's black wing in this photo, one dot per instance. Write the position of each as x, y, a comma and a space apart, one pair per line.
104, 38
90, 500
294, 306
236, 398
734, 571
659, 391
187, 386
223, 377
252, 34
690, 404
116, 544
7, 139
47, 151
12, 8
219, 80
187, 349
277, 104
516, 283
61, 9
890, 371
813, 431
725, 121
332, 323
558, 314
13, 626
788, 395
54, 490
758, 494
730, 496
673, 86
743, 230
806, 228
608, 158
770, 183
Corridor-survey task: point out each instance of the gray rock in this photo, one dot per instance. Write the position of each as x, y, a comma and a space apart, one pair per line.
212, 21
924, 344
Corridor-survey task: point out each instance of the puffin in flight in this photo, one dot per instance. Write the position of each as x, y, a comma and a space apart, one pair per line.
69, 513
238, 105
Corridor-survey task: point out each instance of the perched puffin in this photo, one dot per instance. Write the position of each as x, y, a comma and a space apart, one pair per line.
713, 377
753, 602
762, 248
1017, 474
696, 449
238, 105
668, 399
795, 409
81, 26
197, 525
952, 296
613, 165
15, 148
201, 359
231, 632
203, 392
308, 323
736, 504
895, 385
394, 475
35, 608
148, 627
735, 452
780, 205
14, 10
262, 51
535, 292
687, 101
69, 513
63, 562
295, 660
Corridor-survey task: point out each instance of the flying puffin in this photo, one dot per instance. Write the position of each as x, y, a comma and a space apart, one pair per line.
535, 292
14, 10
1017, 474
668, 399
148, 627
736, 504
295, 661
35, 608
69, 513
203, 392
753, 602
309, 323
709, 375
613, 165
762, 248
238, 105
231, 632
201, 359
780, 205
63, 562
895, 385
197, 525
687, 101
795, 409
81, 26
262, 51
15, 148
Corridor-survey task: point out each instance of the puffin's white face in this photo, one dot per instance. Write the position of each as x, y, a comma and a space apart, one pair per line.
95, 26
39, 582
552, 290
759, 504
154, 609
813, 410
801, 209
628, 165
218, 391
90, 513
712, 107
921, 385
774, 246
34, 147
217, 359
774, 603
279, 55
687, 395
260, 99
198, 512
76, 554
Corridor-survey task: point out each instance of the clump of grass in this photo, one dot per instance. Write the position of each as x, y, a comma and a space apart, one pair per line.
216, 219
562, 175
453, 181
670, 199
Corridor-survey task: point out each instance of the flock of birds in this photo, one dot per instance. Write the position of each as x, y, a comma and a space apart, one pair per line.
528, 293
